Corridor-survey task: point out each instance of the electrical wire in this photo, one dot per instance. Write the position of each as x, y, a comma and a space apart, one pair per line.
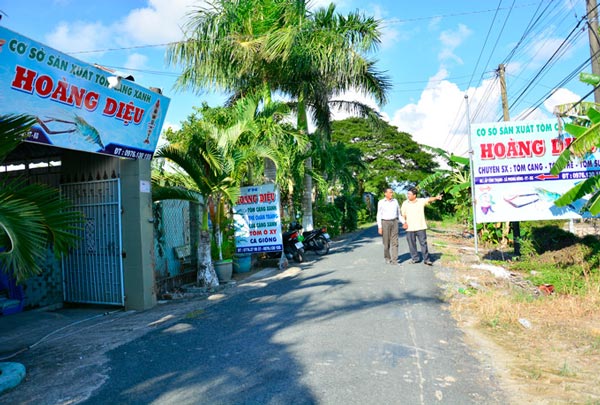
446, 139
566, 80
561, 51
528, 30
484, 43
544, 67
405, 20
483, 102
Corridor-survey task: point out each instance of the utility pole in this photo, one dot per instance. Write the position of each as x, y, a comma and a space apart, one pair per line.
592, 13
472, 170
515, 225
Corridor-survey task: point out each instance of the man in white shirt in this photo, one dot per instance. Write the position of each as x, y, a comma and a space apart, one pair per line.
413, 212
388, 215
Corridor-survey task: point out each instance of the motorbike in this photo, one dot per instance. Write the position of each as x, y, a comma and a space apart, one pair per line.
293, 247
316, 240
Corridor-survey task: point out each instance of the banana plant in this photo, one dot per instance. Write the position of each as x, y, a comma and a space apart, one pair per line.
585, 128
454, 181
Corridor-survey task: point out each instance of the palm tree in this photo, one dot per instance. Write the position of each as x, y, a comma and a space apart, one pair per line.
32, 216
241, 45
341, 165
213, 159
329, 47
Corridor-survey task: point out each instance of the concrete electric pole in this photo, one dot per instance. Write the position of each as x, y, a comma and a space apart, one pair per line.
592, 12
515, 225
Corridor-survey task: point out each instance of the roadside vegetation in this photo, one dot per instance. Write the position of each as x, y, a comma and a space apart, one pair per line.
536, 317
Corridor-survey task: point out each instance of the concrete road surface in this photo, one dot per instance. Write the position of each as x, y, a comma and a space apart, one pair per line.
345, 329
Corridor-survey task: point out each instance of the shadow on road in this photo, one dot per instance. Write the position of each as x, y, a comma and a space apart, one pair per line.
236, 351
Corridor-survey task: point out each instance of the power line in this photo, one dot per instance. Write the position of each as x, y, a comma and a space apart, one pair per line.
476, 66
564, 81
405, 20
527, 31
541, 46
392, 21
555, 56
545, 66
485, 42
125, 48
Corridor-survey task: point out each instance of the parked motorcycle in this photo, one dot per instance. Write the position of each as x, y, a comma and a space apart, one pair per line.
293, 248
316, 240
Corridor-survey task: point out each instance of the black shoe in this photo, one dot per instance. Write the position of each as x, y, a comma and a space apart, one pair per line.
428, 262
415, 261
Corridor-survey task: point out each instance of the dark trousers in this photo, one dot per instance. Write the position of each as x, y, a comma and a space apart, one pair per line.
389, 231
411, 238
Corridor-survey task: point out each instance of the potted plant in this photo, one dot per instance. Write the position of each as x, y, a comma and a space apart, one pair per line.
222, 243
242, 262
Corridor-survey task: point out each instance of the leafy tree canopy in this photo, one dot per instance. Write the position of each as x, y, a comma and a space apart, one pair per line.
390, 155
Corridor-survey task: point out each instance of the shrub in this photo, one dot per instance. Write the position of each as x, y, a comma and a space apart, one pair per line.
328, 215
349, 206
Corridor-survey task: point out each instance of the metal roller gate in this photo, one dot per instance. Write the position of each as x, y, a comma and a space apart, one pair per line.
93, 273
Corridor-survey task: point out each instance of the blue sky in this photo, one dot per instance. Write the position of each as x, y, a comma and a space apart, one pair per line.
434, 51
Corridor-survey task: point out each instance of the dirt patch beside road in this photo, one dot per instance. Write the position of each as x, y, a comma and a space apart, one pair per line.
544, 348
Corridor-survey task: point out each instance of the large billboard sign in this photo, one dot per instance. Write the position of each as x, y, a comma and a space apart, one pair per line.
257, 220
74, 104
511, 166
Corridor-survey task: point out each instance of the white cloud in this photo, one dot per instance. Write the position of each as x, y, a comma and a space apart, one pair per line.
545, 45
560, 96
434, 24
390, 36
79, 36
513, 68
543, 49
452, 39
314, 4
438, 118
530, 114
136, 61
352, 96
160, 22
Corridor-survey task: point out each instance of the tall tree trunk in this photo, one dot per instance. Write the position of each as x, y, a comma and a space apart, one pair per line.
207, 277
307, 211
200, 247
270, 171
270, 168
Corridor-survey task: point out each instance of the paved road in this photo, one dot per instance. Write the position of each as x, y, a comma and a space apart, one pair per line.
344, 329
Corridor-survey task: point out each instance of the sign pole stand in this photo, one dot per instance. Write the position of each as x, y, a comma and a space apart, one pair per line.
472, 173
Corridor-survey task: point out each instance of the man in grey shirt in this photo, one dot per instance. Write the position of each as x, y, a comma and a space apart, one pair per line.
388, 215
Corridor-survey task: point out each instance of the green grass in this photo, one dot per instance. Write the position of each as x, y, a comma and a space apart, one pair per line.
565, 371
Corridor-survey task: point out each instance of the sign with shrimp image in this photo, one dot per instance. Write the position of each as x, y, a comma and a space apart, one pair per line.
511, 166
77, 106
256, 218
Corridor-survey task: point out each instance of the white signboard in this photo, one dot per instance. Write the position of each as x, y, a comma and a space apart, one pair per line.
512, 162
257, 221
